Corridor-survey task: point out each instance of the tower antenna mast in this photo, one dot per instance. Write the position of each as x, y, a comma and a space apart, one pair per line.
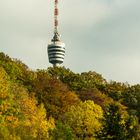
56, 13
56, 50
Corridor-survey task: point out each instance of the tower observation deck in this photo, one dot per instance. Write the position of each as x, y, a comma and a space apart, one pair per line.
56, 50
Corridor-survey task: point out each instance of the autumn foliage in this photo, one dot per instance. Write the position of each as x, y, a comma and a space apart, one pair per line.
58, 104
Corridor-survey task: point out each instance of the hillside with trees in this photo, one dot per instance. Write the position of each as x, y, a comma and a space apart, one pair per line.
58, 104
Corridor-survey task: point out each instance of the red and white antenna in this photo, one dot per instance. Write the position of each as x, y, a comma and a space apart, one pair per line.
56, 13
56, 17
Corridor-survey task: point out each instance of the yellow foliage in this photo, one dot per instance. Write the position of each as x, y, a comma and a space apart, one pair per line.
35, 119
20, 116
84, 119
4, 83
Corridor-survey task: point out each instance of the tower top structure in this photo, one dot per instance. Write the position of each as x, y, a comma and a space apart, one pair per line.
56, 50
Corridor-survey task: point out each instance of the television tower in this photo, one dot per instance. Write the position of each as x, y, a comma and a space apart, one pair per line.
56, 50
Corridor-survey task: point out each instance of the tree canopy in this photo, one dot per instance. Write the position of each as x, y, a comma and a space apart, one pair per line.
58, 104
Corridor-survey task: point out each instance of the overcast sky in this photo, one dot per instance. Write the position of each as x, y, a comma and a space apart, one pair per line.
100, 35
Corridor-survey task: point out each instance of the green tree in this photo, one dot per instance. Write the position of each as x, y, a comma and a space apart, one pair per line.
118, 125
62, 132
131, 98
75, 81
115, 90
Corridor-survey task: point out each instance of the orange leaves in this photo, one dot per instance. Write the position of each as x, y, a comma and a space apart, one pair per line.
3, 95
28, 106
12, 120
69, 99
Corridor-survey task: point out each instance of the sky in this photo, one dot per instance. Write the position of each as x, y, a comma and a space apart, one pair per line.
100, 35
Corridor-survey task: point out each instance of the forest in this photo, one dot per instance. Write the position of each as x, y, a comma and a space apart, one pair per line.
58, 104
